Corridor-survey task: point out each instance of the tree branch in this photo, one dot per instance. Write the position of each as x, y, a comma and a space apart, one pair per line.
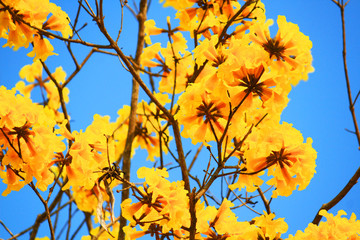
132, 118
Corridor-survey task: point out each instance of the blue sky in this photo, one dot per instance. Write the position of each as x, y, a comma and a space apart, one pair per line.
318, 107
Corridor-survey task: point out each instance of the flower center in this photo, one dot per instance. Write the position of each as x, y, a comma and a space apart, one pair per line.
210, 112
279, 157
274, 48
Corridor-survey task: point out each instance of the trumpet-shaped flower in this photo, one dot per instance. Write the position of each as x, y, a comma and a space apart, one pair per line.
288, 51
28, 141
222, 223
161, 203
21, 19
150, 133
270, 228
288, 159
202, 114
150, 29
91, 154
33, 74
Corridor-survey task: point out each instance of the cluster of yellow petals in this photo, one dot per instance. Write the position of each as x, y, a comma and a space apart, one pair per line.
335, 227
88, 165
246, 76
149, 124
174, 55
289, 161
162, 205
103, 142
27, 141
163, 210
203, 116
150, 130
87, 199
238, 95
91, 152
33, 76
270, 228
288, 52
222, 223
21, 23
202, 17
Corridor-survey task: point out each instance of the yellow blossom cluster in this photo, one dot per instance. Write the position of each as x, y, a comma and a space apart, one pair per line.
27, 141
270, 228
289, 160
228, 91
33, 76
163, 205
93, 152
163, 210
336, 227
150, 130
234, 86
24, 22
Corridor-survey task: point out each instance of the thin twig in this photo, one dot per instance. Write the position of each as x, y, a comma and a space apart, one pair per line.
265, 201
7, 229
195, 157
47, 211
242, 202
79, 67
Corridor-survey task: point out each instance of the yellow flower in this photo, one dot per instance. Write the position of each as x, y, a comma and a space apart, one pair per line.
13, 181
34, 13
281, 150
270, 228
206, 51
176, 73
335, 227
179, 43
288, 51
161, 203
132, 233
175, 63
150, 53
149, 123
178, 4
28, 140
58, 21
42, 48
222, 224
90, 154
251, 182
150, 29
202, 114
33, 73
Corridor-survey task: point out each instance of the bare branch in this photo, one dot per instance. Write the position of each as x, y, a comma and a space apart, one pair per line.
339, 196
